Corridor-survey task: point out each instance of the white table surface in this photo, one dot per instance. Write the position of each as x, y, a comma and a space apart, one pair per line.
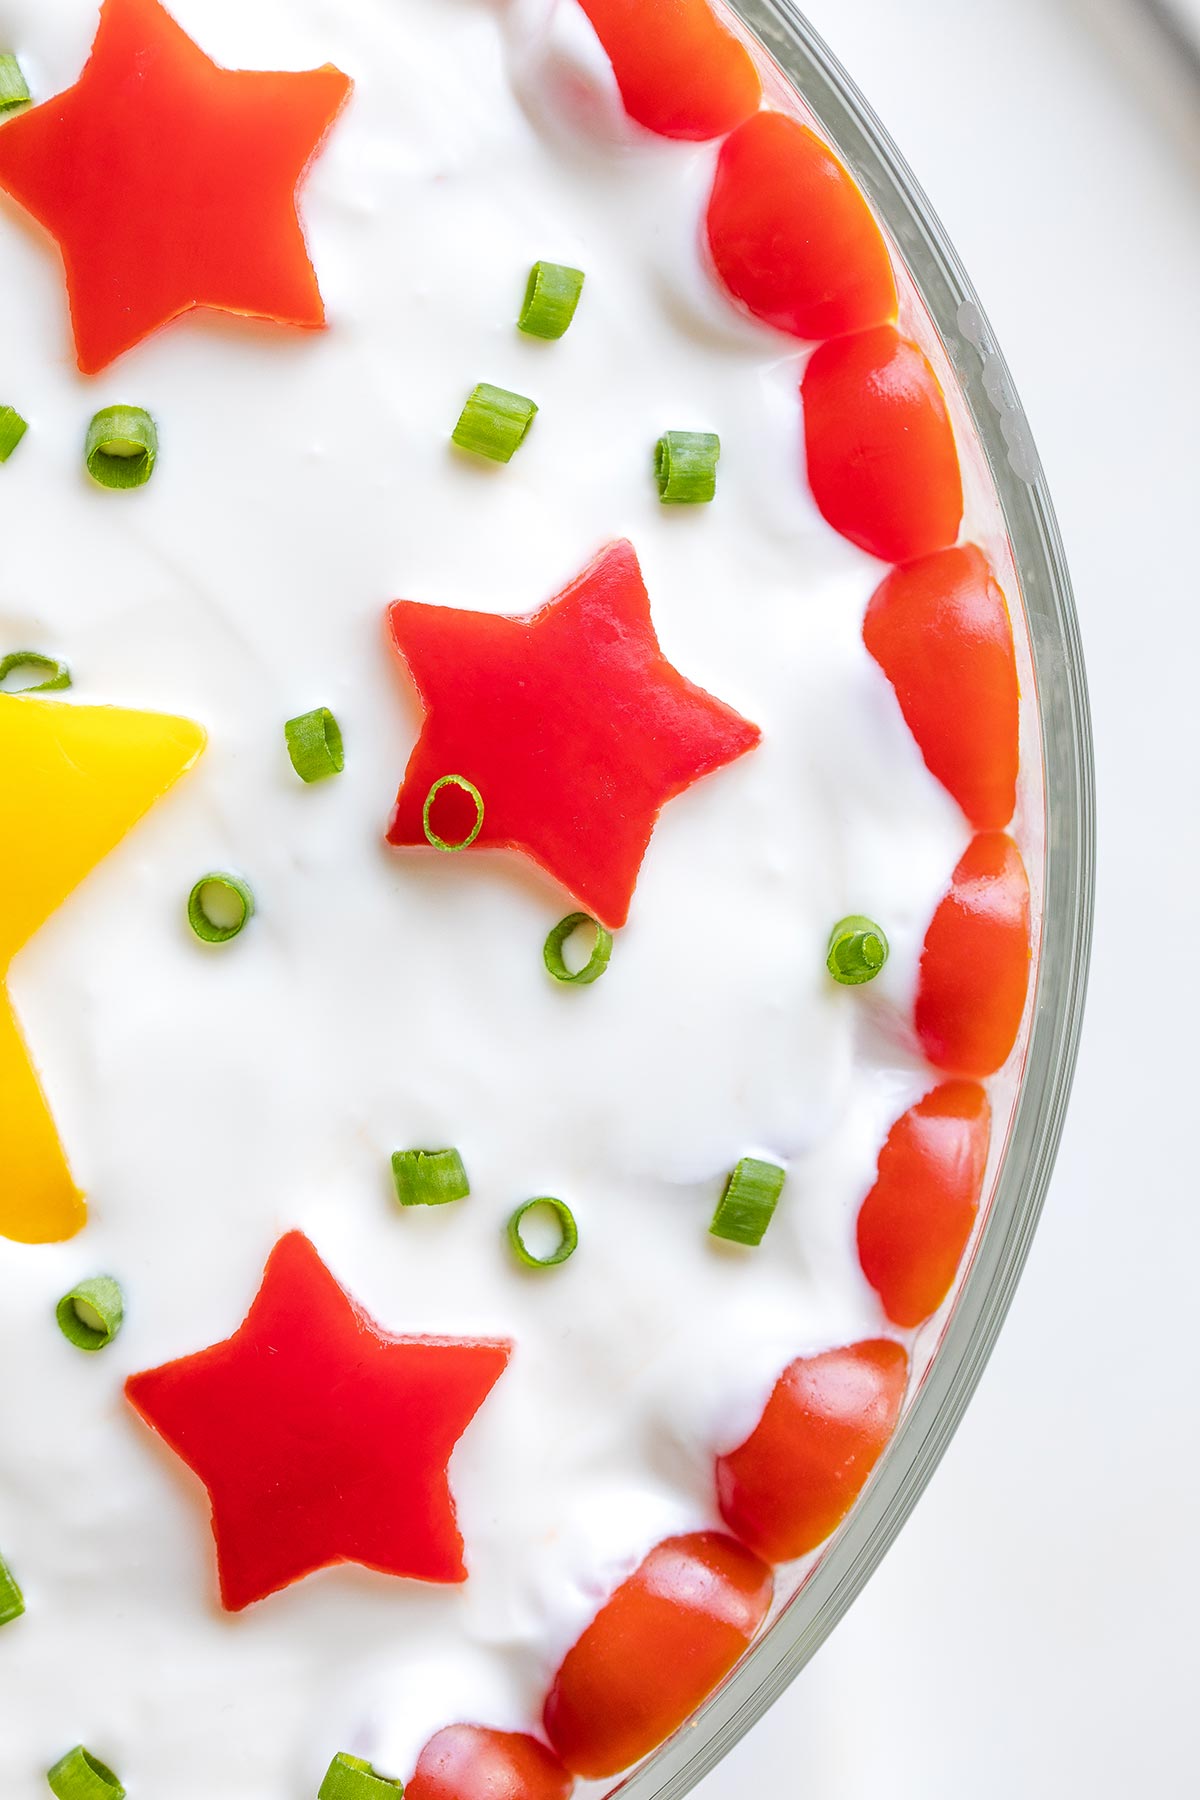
1032, 1635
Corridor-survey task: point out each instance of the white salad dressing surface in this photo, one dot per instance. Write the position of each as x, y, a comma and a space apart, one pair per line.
211, 1099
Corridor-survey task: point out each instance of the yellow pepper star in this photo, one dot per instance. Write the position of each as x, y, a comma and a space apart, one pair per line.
75, 780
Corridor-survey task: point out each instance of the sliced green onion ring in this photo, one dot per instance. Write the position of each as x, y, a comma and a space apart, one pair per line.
81, 1776
468, 787
597, 962
550, 300
352, 1778
314, 743
14, 89
685, 467
121, 447
12, 429
568, 1233
91, 1315
230, 896
57, 673
748, 1204
429, 1177
494, 423
12, 1600
858, 950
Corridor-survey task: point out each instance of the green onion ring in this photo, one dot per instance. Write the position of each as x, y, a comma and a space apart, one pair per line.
12, 1600
81, 1776
597, 962
12, 429
121, 447
569, 1240
314, 743
91, 1315
685, 467
58, 676
494, 423
551, 297
14, 89
199, 918
351, 1778
858, 950
748, 1204
468, 787
429, 1177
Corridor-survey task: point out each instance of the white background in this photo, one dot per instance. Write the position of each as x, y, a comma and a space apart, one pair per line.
1033, 1634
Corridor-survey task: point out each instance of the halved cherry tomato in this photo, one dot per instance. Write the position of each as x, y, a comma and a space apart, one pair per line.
470, 1762
940, 631
974, 971
669, 1634
792, 236
917, 1219
807, 1460
680, 71
881, 459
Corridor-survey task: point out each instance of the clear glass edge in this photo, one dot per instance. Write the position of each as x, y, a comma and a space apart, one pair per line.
987, 1290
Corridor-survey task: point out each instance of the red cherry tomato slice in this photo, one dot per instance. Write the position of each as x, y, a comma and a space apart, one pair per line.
940, 631
792, 236
881, 459
680, 71
975, 965
917, 1219
469, 1762
669, 1634
807, 1460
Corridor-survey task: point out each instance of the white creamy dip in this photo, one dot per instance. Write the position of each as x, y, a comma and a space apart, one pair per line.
211, 1099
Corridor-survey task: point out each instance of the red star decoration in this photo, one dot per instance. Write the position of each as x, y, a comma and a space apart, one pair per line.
571, 723
170, 183
320, 1438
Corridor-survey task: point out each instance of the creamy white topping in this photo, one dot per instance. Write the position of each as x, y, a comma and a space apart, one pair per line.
211, 1099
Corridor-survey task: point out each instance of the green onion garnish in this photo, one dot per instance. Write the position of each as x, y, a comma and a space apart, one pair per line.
857, 951
12, 1600
564, 1219
314, 742
494, 423
218, 907
429, 1177
57, 674
350, 1778
81, 1776
91, 1315
121, 447
550, 300
468, 787
685, 467
14, 89
748, 1204
597, 962
12, 429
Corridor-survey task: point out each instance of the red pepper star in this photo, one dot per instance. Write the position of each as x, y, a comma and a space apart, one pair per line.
320, 1438
571, 724
171, 183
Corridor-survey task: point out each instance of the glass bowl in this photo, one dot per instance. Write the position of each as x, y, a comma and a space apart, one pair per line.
1057, 816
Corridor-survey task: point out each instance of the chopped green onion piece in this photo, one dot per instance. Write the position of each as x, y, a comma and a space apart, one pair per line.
429, 1177
748, 1204
494, 423
597, 962
81, 1776
57, 673
857, 951
685, 467
550, 300
121, 447
314, 742
91, 1315
218, 907
12, 1600
350, 1778
468, 787
568, 1232
14, 89
12, 429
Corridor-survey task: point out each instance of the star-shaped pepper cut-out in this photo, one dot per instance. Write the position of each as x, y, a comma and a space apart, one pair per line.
170, 183
320, 1437
571, 724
